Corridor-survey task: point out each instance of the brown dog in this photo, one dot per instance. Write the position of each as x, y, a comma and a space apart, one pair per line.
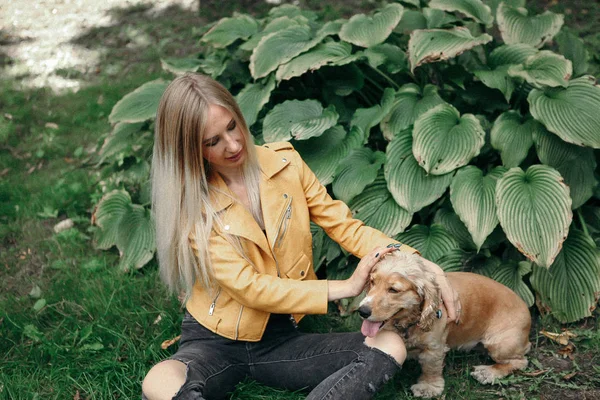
402, 296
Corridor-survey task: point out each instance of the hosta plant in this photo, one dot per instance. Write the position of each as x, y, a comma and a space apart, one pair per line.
464, 128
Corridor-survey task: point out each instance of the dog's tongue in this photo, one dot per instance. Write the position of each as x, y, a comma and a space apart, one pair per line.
369, 328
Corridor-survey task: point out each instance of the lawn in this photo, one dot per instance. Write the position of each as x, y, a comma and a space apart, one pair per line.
72, 325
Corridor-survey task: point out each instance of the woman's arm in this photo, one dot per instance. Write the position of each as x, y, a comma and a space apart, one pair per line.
336, 218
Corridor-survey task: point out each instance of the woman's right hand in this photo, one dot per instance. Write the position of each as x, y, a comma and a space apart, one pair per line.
359, 278
354, 285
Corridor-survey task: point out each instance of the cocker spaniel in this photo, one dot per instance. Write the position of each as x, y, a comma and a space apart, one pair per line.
402, 296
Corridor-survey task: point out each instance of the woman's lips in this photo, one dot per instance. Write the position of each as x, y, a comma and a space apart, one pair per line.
236, 157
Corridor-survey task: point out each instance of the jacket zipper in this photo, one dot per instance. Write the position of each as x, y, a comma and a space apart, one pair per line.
237, 326
286, 218
287, 215
211, 309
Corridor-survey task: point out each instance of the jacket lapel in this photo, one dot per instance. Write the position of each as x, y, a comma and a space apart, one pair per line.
239, 221
236, 219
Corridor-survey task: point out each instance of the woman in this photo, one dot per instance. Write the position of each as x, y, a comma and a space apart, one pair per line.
233, 233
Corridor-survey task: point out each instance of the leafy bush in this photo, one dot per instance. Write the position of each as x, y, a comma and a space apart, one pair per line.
455, 126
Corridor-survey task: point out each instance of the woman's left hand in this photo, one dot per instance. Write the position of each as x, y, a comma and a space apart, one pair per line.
449, 295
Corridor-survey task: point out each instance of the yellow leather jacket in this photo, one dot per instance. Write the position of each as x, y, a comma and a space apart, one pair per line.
280, 278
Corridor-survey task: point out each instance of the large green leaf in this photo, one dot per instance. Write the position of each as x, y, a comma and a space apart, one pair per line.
445, 141
139, 105
179, 66
107, 216
473, 197
576, 164
366, 118
136, 238
570, 288
432, 45
376, 207
391, 57
455, 260
571, 113
324, 248
357, 171
510, 54
409, 104
431, 241
474, 9
411, 20
330, 53
497, 78
511, 135
118, 144
438, 18
495, 3
455, 227
275, 25
298, 119
281, 46
411, 186
291, 11
517, 27
228, 30
342, 80
544, 69
534, 209
573, 48
499, 62
253, 97
511, 275
365, 31
324, 153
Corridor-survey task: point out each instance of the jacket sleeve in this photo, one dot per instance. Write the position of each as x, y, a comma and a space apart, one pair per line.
263, 291
336, 219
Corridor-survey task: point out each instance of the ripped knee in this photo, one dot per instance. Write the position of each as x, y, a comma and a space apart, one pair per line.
164, 380
390, 343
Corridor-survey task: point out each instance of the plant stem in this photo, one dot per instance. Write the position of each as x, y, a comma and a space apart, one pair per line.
374, 83
384, 76
365, 98
582, 222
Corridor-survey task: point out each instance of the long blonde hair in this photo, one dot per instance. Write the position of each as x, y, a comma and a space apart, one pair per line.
180, 189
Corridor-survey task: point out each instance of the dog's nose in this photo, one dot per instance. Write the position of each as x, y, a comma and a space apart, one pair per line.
364, 312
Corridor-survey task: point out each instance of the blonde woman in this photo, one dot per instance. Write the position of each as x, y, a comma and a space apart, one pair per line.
233, 233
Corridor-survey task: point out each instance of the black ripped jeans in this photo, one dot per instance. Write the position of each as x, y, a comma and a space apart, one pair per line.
330, 366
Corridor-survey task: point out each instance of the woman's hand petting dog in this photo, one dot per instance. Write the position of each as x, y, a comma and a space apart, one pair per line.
359, 278
448, 294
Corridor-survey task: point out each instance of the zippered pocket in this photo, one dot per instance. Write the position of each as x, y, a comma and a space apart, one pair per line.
211, 309
287, 216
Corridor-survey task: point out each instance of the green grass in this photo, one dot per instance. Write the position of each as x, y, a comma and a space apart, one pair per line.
72, 325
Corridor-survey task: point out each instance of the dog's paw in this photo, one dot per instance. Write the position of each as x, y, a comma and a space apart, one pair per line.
427, 390
485, 374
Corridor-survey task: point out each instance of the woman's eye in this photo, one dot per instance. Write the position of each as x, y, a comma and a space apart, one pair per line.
232, 125
211, 142
392, 290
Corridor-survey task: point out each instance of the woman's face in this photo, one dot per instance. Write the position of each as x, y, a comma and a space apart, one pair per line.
223, 144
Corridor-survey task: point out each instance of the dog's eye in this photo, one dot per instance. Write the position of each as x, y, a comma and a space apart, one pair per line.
392, 290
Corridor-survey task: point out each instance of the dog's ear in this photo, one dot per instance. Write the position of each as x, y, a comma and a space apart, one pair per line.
430, 295
431, 303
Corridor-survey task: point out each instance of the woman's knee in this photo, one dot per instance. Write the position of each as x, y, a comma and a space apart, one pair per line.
390, 343
164, 380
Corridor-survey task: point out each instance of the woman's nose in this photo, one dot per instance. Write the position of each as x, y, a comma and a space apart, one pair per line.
233, 143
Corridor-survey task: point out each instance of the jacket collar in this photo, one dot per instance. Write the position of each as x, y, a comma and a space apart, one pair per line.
270, 164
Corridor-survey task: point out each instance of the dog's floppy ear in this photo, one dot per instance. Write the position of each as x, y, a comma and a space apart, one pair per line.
431, 302
430, 295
